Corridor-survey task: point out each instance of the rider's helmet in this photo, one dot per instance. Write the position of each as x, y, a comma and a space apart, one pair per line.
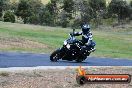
85, 28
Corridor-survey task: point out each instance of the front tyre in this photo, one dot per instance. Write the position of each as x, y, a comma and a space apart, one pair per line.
55, 56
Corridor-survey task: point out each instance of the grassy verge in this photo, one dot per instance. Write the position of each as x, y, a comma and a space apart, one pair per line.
39, 39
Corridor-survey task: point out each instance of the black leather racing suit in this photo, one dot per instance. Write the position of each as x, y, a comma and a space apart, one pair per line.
87, 40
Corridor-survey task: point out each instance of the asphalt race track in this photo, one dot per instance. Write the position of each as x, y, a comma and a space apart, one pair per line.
10, 59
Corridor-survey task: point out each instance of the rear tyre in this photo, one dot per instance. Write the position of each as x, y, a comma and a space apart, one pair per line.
55, 56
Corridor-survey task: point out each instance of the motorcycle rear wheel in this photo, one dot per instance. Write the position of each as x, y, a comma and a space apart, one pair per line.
54, 57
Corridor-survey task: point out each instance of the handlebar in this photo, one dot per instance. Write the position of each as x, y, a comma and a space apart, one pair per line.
73, 30
72, 33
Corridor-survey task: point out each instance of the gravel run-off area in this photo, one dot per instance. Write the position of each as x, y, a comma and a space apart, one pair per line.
58, 78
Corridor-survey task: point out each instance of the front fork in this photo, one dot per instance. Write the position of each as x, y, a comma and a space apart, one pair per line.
62, 52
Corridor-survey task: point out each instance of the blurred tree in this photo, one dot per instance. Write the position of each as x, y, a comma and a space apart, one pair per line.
98, 10
119, 8
9, 17
131, 3
97, 4
14, 6
53, 9
86, 12
34, 19
1, 8
23, 10
68, 7
66, 12
4, 5
35, 8
64, 19
131, 10
45, 17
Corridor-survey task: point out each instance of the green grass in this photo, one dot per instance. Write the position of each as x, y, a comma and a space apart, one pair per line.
114, 45
117, 44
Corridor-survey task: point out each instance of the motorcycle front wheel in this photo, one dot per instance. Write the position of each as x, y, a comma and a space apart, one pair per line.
55, 56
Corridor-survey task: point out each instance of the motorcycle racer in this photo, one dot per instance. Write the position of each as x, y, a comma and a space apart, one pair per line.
87, 38
74, 49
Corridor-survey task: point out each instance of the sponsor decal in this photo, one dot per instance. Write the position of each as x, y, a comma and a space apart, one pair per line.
83, 78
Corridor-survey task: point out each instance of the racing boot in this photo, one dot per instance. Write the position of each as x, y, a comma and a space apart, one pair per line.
92, 50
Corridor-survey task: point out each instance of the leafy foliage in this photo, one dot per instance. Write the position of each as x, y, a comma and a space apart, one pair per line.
99, 8
86, 12
120, 8
53, 11
35, 10
67, 12
34, 19
64, 19
3, 6
23, 10
131, 3
68, 7
9, 17
97, 4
